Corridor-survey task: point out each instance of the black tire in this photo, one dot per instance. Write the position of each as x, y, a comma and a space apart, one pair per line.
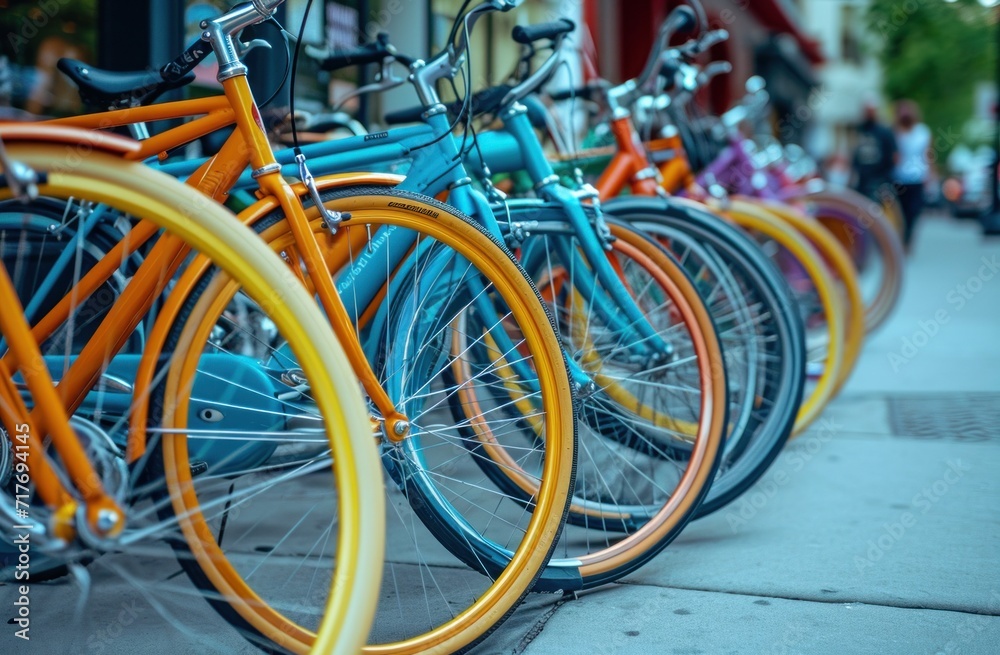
651, 514
781, 328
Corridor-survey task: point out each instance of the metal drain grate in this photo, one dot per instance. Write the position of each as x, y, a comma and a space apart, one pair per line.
960, 417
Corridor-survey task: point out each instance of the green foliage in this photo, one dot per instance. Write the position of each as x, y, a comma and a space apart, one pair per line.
935, 53
25, 24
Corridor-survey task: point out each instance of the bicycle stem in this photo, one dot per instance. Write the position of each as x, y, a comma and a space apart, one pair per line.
267, 171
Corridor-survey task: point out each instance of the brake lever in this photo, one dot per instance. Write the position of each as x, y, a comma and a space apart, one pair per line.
243, 48
384, 81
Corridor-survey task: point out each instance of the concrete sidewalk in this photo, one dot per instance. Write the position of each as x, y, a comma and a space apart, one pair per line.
876, 532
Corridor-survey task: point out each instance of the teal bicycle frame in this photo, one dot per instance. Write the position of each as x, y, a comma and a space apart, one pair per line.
437, 165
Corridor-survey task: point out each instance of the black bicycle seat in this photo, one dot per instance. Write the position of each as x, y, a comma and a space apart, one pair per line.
107, 89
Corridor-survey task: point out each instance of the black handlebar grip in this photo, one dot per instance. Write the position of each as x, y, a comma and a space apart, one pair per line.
580, 93
680, 21
370, 53
186, 62
526, 34
408, 115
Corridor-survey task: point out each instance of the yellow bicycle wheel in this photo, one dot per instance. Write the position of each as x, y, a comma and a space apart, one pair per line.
863, 228
845, 275
340, 422
824, 354
463, 552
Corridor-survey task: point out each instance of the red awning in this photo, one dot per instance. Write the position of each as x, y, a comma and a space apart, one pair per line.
776, 15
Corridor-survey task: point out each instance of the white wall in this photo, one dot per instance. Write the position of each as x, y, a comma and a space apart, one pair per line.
844, 85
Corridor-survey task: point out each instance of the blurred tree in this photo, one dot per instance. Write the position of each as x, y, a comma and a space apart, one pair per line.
35, 34
935, 52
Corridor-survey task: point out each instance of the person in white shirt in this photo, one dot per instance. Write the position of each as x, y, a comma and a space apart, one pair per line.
913, 140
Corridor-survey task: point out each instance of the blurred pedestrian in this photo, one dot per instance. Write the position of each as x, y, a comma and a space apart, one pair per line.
913, 139
875, 155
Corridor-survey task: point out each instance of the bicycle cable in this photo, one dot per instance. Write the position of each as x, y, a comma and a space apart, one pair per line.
467, 99
288, 61
295, 68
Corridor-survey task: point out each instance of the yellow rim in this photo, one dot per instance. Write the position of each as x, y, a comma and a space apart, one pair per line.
211, 230
843, 269
752, 217
885, 237
532, 554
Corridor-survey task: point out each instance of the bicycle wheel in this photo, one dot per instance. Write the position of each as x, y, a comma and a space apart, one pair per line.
816, 295
762, 335
47, 244
651, 430
339, 421
464, 553
846, 276
863, 229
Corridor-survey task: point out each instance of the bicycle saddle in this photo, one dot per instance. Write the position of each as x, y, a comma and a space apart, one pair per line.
114, 89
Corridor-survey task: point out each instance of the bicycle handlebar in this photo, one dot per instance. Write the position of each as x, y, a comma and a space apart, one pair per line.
528, 34
714, 69
681, 20
231, 23
266, 8
474, 15
708, 40
370, 53
544, 72
587, 92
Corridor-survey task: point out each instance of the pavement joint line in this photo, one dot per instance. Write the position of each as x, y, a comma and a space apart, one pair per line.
539, 625
861, 396
881, 435
832, 601
299, 556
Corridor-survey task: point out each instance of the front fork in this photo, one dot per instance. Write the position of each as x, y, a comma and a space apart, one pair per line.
615, 302
268, 174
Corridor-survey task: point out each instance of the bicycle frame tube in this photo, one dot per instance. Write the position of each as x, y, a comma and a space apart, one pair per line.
675, 171
17, 332
618, 310
630, 165
735, 170
271, 182
217, 114
427, 146
215, 176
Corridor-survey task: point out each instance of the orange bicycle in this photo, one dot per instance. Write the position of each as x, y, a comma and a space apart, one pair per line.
66, 488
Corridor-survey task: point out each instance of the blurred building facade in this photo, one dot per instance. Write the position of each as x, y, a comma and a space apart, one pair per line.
851, 76
767, 37
771, 38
